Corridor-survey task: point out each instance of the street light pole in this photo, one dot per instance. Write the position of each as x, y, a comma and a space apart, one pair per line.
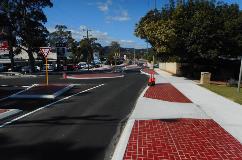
240, 73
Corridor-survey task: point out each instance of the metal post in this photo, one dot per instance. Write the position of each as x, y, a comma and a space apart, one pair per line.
134, 55
115, 61
240, 73
46, 70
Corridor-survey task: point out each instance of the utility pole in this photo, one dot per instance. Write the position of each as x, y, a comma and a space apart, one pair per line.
240, 74
155, 4
87, 36
134, 55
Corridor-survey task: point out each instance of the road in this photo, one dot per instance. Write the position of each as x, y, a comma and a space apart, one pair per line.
85, 126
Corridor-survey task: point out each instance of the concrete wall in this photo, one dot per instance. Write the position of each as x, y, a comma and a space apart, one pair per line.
171, 67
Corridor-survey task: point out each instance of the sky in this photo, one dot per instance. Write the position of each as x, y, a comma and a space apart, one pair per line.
108, 20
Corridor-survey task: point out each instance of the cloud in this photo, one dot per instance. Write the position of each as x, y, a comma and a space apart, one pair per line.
104, 6
102, 37
112, 11
123, 15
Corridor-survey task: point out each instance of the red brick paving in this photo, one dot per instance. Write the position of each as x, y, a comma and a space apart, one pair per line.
181, 139
166, 92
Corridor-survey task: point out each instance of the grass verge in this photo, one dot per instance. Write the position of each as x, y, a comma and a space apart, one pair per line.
225, 91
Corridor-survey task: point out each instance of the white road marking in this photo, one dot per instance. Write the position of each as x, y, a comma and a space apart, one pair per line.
48, 105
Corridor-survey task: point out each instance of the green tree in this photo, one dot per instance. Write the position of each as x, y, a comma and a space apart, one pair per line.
114, 48
193, 31
61, 35
64, 36
8, 26
25, 25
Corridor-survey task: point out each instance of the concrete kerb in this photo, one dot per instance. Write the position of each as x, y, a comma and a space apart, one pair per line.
124, 138
142, 72
52, 96
123, 141
72, 77
9, 113
13, 95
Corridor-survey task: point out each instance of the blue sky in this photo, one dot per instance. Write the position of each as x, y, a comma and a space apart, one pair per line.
109, 20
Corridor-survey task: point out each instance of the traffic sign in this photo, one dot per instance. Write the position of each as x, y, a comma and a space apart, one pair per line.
4, 45
45, 51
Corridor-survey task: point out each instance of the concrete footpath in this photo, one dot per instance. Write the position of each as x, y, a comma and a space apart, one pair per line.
178, 119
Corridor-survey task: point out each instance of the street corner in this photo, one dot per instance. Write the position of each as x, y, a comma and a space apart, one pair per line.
50, 91
181, 139
94, 76
166, 92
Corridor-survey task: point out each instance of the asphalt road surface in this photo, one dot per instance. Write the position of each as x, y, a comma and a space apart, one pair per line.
85, 126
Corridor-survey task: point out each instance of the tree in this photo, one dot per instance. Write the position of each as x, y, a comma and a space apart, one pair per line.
193, 30
8, 26
114, 48
64, 36
61, 35
24, 20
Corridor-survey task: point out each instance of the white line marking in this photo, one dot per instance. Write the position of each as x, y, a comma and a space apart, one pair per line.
48, 105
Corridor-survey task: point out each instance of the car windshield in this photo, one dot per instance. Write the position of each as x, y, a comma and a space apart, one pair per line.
120, 79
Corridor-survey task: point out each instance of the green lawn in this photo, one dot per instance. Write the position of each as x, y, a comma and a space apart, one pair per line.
228, 92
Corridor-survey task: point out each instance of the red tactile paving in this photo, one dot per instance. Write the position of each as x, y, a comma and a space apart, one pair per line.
166, 92
181, 139
96, 75
3, 110
149, 71
43, 89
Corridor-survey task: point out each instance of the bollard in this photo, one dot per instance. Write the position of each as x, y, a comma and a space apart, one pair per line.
151, 81
64, 75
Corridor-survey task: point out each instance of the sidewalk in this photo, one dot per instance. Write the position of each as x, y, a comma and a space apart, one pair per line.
177, 119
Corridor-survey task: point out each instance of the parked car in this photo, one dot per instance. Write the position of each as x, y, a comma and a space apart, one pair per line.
25, 69
156, 65
50, 68
37, 68
82, 65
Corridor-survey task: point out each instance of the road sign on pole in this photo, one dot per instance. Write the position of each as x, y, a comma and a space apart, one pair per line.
45, 51
240, 74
